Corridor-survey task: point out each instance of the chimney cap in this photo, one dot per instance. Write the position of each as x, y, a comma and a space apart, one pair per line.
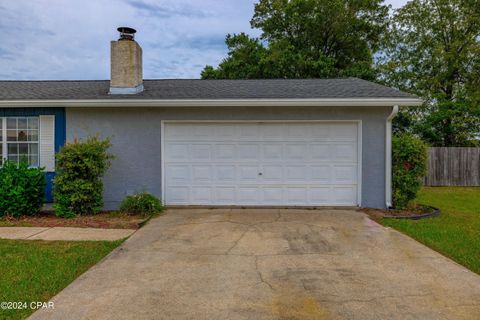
126, 33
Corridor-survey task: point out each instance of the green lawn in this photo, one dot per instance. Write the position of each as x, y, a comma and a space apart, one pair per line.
37, 270
456, 233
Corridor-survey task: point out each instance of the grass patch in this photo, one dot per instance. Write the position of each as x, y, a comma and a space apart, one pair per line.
456, 233
37, 270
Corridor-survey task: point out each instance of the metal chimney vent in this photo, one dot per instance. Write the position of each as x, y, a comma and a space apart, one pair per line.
126, 33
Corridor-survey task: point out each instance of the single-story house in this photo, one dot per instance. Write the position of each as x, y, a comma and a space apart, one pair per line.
285, 142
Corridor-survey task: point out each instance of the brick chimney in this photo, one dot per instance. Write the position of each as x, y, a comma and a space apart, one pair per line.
126, 74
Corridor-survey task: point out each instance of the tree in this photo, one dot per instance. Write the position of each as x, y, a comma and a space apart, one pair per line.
306, 39
433, 50
244, 59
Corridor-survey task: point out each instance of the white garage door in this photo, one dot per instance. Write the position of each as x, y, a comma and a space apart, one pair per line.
268, 163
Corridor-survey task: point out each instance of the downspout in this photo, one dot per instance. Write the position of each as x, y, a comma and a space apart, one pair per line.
388, 158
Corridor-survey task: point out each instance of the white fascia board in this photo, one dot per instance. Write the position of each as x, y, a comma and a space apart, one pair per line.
378, 102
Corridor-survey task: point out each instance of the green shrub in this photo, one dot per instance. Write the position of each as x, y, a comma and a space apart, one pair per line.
22, 189
409, 166
141, 203
78, 186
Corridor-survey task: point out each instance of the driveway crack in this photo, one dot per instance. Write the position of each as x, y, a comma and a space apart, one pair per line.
237, 241
279, 215
262, 280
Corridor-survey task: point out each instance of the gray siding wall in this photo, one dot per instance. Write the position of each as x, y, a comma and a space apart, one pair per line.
135, 134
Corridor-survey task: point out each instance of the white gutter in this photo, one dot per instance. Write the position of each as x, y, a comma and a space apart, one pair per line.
378, 102
388, 157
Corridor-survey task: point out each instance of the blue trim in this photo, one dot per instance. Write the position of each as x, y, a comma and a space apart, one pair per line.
60, 133
49, 187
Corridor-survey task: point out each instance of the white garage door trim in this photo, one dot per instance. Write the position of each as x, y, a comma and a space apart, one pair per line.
359, 145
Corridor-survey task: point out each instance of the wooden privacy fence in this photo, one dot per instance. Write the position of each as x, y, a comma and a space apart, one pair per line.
453, 167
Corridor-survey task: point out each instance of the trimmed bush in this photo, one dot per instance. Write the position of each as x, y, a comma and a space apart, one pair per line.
409, 166
78, 186
22, 189
141, 203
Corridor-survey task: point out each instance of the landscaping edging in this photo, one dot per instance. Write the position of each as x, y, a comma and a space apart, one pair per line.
434, 213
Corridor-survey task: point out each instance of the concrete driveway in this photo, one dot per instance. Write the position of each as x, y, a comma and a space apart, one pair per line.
270, 264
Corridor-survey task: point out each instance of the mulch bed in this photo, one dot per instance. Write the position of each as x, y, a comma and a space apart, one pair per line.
105, 220
414, 213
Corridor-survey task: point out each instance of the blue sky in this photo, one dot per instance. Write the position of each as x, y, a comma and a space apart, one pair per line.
60, 39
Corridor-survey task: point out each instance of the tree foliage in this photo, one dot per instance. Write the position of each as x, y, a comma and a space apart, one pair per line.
306, 39
433, 50
245, 59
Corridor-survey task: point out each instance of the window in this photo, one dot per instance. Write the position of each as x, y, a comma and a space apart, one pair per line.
19, 139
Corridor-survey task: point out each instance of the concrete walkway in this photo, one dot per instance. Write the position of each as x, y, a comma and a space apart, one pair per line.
270, 264
64, 233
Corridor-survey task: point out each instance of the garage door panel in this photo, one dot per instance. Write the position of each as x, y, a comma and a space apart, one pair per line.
272, 195
321, 174
249, 131
296, 152
248, 152
345, 174
225, 173
312, 163
321, 132
320, 195
295, 173
178, 195
181, 131
272, 173
298, 131
226, 194
320, 151
202, 194
177, 174
176, 151
345, 153
225, 151
272, 132
200, 152
248, 173
202, 173
343, 195
296, 196
248, 195
226, 130
203, 131
272, 152
343, 131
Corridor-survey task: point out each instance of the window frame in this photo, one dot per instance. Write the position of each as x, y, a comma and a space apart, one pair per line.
4, 139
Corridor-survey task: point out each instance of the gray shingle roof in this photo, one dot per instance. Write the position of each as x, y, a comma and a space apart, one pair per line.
202, 89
